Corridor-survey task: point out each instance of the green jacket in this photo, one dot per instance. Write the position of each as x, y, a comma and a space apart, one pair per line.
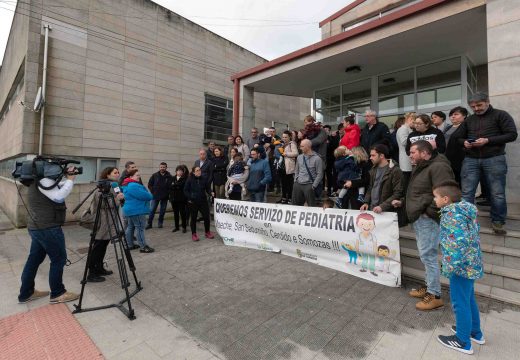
391, 187
419, 197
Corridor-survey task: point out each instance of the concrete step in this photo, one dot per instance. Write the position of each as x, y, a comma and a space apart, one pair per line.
487, 236
512, 222
511, 297
494, 275
492, 254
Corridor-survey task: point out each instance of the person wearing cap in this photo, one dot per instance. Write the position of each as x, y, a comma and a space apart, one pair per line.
484, 136
385, 181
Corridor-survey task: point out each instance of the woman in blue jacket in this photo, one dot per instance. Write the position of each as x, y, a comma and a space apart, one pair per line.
195, 190
136, 207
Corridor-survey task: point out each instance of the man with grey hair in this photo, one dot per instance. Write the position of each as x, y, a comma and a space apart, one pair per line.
374, 132
484, 135
308, 174
253, 139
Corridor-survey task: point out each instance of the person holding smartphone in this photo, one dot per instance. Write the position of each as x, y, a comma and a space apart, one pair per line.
484, 135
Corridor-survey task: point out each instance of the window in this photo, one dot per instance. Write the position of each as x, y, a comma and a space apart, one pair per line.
329, 115
396, 95
438, 84
327, 104
218, 120
356, 97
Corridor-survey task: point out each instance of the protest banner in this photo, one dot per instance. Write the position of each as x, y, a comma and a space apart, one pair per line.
363, 244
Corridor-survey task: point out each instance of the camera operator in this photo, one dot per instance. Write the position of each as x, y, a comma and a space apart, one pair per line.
106, 227
46, 216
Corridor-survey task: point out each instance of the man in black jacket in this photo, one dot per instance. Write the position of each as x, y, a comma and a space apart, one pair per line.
374, 132
333, 139
484, 136
159, 185
206, 166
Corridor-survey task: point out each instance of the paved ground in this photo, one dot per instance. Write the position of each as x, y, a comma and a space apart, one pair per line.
209, 301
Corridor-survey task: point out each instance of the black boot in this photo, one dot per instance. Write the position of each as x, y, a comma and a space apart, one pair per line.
94, 277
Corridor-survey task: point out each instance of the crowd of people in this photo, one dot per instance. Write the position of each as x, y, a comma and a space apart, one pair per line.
427, 169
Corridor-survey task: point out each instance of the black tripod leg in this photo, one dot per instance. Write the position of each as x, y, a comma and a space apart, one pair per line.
89, 258
125, 249
120, 246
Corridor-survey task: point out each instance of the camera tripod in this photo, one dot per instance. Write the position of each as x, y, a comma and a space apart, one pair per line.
122, 252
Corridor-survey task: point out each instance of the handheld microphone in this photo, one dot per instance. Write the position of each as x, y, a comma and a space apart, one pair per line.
116, 188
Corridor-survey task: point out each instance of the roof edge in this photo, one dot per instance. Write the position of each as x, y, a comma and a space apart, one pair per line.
333, 40
340, 12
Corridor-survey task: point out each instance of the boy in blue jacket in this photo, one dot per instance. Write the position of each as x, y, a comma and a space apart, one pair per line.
136, 207
461, 263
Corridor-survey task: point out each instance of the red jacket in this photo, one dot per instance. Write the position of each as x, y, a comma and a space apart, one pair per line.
351, 137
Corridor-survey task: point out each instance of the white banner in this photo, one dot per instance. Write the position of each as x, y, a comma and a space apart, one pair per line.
363, 244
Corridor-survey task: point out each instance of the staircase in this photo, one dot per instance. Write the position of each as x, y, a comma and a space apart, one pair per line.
501, 256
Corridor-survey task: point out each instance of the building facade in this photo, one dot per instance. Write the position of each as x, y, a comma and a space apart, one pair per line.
396, 56
126, 80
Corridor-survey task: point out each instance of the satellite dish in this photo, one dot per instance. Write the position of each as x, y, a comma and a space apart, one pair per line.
38, 102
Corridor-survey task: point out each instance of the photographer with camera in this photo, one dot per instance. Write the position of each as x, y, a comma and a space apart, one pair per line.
106, 227
46, 216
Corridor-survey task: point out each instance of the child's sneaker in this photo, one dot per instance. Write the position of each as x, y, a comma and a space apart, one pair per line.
477, 339
209, 235
361, 198
230, 190
195, 237
244, 191
454, 343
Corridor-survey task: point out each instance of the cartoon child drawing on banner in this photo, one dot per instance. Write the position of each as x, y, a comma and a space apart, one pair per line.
383, 261
366, 243
352, 254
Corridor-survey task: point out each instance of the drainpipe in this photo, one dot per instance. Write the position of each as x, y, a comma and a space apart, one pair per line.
236, 106
44, 83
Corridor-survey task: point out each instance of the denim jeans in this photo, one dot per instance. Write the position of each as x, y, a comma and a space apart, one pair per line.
137, 222
465, 308
45, 242
257, 196
427, 236
153, 208
494, 170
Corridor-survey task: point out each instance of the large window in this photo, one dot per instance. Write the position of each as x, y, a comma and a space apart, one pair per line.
328, 104
422, 88
438, 84
396, 93
334, 103
356, 97
218, 120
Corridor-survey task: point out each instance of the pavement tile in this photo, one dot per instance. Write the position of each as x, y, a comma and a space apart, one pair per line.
290, 350
500, 343
353, 342
140, 351
209, 301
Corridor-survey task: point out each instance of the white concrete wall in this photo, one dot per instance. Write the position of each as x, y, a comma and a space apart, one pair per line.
503, 27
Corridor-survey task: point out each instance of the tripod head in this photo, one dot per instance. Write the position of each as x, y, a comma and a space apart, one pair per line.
104, 186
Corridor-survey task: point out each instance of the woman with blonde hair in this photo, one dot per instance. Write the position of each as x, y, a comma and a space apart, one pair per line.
355, 195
